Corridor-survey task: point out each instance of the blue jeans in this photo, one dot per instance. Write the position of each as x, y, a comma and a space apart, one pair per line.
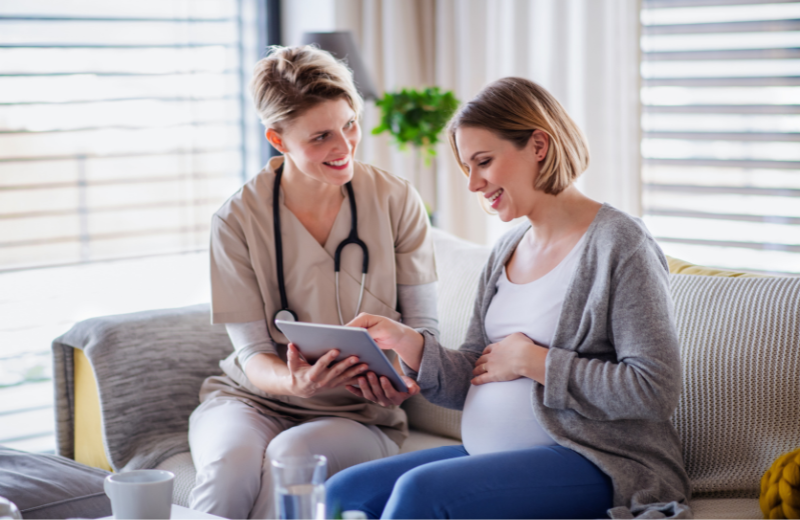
447, 482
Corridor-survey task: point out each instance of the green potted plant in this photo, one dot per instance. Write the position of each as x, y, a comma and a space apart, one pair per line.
416, 117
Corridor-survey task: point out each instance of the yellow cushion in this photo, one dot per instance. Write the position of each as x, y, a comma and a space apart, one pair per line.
677, 266
780, 487
88, 427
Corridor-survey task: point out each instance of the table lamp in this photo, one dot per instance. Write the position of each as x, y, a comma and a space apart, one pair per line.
343, 47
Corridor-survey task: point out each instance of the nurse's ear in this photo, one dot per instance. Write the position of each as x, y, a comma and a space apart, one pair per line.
275, 140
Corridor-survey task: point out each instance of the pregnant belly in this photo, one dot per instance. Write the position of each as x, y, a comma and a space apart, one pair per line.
499, 417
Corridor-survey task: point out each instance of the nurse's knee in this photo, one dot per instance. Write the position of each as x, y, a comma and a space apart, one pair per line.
233, 459
289, 444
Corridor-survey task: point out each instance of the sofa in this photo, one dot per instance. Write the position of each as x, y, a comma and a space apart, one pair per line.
126, 385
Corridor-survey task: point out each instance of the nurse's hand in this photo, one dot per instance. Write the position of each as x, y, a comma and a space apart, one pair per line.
391, 335
307, 380
513, 357
381, 391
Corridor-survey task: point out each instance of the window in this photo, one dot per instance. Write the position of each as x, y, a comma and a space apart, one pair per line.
123, 127
721, 131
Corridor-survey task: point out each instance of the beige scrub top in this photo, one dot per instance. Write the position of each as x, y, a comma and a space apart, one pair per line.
244, 286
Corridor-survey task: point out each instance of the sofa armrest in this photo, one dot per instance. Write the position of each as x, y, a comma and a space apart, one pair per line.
149, 367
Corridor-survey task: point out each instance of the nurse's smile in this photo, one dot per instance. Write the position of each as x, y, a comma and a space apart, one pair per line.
341, 164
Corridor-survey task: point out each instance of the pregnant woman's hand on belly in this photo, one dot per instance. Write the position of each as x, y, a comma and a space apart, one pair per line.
307, 380
513, 357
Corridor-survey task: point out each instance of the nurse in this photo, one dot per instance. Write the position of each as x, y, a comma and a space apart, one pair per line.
273, 245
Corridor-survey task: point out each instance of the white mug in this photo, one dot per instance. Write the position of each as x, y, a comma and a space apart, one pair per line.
142, 493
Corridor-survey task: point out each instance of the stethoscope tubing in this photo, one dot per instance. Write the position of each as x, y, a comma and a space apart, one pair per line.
351, 239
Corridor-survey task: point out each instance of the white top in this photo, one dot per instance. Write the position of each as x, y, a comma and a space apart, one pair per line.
499, 416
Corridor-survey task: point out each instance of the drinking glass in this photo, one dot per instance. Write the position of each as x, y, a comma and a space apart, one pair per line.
300, 487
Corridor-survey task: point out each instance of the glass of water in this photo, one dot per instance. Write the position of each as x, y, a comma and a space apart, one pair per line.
300, 487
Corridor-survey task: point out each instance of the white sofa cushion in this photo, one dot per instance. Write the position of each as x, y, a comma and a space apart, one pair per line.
459, 264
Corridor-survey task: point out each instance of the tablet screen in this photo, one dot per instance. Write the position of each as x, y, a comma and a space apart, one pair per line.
314, 340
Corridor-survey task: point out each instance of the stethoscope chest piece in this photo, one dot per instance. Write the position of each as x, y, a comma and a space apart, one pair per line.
285, 313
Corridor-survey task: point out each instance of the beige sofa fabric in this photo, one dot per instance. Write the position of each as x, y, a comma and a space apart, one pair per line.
459, 264
740, 405
725, 508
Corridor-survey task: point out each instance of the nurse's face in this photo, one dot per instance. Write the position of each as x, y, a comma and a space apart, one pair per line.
321, 142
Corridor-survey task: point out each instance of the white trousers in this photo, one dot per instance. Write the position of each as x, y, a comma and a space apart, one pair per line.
233, 444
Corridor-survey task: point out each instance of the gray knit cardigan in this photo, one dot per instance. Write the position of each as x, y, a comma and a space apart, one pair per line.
613, 372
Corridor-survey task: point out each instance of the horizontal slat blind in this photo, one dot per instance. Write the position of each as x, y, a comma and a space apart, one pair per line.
721, 131
122, 126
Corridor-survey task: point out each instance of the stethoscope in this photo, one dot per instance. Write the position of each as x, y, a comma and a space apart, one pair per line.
285, 313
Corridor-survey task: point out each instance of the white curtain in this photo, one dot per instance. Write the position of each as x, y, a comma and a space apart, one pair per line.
586, 52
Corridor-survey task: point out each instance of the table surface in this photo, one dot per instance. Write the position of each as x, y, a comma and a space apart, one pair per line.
180, 513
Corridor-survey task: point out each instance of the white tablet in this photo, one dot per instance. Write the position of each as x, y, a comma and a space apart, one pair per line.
314, 340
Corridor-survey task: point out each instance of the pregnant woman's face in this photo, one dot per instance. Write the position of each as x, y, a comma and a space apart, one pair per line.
322, 141
501, 172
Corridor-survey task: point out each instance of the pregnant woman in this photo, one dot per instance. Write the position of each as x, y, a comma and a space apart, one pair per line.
570, 370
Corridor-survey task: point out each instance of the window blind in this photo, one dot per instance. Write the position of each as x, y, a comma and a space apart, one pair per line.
721, 131
123, 127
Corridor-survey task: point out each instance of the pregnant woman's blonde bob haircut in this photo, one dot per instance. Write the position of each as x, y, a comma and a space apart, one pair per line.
513, 108
290, 80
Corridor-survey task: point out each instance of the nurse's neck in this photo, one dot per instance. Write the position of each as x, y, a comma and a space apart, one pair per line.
313, 202
302, 190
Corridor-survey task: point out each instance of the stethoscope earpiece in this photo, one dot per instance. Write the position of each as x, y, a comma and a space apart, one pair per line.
286, 314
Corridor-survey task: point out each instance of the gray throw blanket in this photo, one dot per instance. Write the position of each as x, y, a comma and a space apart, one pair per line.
136, 379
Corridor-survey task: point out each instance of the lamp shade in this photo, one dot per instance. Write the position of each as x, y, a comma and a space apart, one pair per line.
342, 46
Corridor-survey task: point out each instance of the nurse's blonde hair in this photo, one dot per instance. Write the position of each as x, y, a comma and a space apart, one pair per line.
512, 108
290, 80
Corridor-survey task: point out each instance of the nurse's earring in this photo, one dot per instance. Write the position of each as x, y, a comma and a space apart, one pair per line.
275, 140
